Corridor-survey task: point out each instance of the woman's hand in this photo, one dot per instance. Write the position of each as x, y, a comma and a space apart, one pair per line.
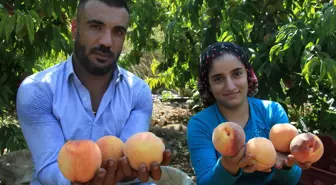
246, 162
288, 160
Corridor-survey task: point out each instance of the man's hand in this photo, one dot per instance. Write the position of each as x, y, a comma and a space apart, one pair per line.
142, 173
288, 160
108, 175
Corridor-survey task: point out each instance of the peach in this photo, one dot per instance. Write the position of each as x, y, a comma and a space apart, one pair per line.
228, 138
281, 136
144, 147
307, 147
79, 160
263, 151
111, 147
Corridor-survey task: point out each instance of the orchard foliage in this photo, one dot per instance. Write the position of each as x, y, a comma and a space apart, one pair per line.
291, 45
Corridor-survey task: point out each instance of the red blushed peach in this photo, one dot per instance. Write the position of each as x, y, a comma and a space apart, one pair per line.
263, 151
281, 136
228, 138
111, 147
307, 147
144, 147
79, 160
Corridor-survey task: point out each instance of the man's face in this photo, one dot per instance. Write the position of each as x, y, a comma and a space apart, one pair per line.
99, 36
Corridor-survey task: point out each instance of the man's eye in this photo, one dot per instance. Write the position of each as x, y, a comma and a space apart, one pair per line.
120, 32
96, 26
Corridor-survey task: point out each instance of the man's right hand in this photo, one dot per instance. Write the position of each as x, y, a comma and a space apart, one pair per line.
108, 176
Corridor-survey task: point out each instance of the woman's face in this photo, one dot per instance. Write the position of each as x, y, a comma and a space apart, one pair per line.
228, 81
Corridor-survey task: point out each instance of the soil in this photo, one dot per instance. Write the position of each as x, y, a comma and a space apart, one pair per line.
169, 122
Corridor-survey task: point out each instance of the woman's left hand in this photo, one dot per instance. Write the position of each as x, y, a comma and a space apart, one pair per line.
288, 160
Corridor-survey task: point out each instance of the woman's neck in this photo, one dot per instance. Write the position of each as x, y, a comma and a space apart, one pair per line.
239, 114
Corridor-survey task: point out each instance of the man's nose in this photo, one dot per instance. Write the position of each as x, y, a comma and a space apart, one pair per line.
106, 39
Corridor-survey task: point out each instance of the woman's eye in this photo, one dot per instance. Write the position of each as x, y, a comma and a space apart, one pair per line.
218, 79
237, 74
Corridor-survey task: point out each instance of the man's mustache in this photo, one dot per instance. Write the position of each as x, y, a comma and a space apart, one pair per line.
104, 50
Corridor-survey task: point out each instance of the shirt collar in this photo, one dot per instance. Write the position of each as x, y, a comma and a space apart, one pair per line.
69, 70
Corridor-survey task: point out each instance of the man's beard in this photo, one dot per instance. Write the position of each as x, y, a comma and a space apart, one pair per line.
84, 60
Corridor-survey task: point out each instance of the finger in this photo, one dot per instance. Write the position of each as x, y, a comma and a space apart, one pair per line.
166, 158
238, 157
246, 161
155, 171
110, 173
279, 163
119, 175
305, 165
267, 170
98, 179
290, 160
126, 168
250, 169
143, 173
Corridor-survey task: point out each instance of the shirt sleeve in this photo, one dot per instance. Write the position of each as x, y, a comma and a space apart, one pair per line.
208, 169
41, 130
293, 175
140, 116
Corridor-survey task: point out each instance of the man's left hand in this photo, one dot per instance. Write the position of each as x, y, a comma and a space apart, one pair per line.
142, 173
288, 160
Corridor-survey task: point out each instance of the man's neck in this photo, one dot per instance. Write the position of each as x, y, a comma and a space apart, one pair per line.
239, 114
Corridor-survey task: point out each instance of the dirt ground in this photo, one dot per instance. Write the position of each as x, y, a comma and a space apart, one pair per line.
169, 122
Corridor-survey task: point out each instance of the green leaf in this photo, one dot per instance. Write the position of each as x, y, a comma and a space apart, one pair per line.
10, 26
36, 17
3, 25
3, 78
30, 28
20, 22
274, 52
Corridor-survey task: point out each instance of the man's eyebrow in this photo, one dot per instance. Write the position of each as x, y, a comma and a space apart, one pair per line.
94, 21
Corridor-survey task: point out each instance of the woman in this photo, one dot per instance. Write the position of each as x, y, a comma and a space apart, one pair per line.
226, 84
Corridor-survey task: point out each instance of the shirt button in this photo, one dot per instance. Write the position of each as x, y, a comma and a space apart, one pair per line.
84, 99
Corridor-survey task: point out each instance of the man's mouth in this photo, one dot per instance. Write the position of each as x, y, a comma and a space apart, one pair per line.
102, 56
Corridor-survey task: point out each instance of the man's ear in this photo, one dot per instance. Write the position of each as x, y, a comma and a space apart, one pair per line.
74, 28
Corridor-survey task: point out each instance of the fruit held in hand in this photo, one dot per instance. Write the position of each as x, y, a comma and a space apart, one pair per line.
307, 147
79, 160
144, 147
281, 136
263, 151
228, 138
111, 147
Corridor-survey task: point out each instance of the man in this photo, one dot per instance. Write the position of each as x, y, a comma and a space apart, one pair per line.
86, 97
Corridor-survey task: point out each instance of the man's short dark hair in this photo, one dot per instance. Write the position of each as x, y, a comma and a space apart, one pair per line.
112, 3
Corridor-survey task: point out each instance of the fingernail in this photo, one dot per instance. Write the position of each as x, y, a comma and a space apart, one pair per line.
143, 167
156, 167
101, 172
111, 163
125, 161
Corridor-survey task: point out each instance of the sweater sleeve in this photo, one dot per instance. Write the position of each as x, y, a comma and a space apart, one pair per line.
285, 177
208, 169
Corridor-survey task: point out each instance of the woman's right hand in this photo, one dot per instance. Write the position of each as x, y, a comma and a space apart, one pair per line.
234, 163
